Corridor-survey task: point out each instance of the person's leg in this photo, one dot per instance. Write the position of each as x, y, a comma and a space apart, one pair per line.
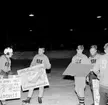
79, 89
41, 91
103, 96
91, 88
91, 77
30, 93
81, 101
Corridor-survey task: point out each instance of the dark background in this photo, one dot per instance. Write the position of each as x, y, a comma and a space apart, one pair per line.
51, 25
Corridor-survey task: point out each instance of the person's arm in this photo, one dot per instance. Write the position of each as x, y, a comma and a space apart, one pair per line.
73, 59
47, 63
9, 68
3, 64
33, 63
87, 60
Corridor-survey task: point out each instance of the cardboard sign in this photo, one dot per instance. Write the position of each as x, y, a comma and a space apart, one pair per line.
80, 70
96, 91
10, 88
33, 77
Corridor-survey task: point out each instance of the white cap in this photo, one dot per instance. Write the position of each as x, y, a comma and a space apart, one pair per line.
8, 50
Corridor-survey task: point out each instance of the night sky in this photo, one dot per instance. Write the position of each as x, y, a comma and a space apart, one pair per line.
54, 26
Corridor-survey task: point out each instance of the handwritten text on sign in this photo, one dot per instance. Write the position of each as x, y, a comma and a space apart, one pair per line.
10, 88
33, 77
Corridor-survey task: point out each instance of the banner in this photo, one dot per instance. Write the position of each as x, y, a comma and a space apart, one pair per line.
80, 70
96, 91
10, 88
33, 77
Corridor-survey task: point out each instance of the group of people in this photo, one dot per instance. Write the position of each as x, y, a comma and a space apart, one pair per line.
5, 70
80, 82
99, 72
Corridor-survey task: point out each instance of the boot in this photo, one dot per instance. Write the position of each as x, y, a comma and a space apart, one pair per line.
39, 100
82, 104
2, 102
27, 100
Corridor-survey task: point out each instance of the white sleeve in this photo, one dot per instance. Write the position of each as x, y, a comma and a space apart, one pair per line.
47, 63
33, 63
74, 59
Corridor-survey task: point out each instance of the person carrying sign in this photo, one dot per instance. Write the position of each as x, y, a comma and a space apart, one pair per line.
80, 58
101, 69
5, 65
94, 56
40, 58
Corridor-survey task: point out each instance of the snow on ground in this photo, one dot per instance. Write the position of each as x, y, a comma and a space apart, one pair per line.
60, 91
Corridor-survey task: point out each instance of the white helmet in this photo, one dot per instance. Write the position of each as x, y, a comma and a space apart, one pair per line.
8, 50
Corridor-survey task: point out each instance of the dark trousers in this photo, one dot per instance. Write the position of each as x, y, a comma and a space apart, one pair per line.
103, 96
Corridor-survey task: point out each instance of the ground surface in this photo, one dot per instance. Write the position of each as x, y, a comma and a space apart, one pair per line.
61, 90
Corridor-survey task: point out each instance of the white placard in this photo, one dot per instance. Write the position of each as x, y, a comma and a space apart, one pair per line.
33, 77
10, 88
